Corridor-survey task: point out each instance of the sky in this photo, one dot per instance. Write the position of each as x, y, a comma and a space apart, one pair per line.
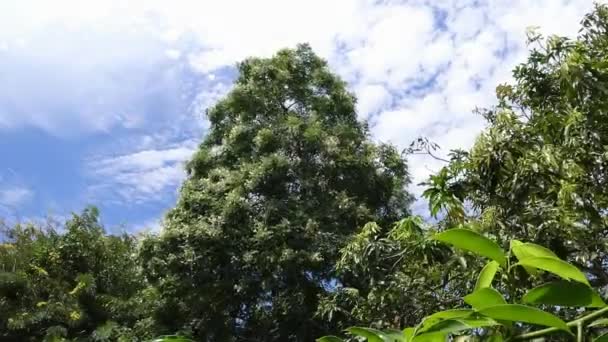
102, 101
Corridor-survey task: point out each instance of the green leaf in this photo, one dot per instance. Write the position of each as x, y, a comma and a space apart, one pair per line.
372, 335
471, 241
495, 337
330, 339
431, 320
526, 250
555, 266
602, 322
486, 276
454, 325
564, 293
523, 313
431, 337
483, 298
601, 338
408, 334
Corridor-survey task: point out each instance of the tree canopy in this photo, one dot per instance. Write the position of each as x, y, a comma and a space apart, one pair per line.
284, 177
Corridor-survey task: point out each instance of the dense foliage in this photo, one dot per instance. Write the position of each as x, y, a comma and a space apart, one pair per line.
71, 282
285, 175
293, 223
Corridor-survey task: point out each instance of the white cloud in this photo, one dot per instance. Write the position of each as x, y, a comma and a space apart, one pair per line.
419, 67
14, 196
140, 176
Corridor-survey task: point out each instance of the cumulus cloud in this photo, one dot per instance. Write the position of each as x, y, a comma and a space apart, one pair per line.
418, 67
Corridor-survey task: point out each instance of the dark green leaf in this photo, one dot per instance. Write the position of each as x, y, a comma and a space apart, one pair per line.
601, 338
602, 322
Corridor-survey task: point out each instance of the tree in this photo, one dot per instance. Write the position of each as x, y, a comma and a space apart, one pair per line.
539, 172
285, 175
494, 312
72, 282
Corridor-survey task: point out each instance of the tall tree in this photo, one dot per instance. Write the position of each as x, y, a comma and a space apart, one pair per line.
285, 175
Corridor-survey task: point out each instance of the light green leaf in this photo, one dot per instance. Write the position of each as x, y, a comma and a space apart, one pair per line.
483, 298
523, 313
471, 241
555, 266
330, 339
431, 320
564, 293
454, 325
408, 334
486, 276
372, 335
525, 250
602, 322
431, 337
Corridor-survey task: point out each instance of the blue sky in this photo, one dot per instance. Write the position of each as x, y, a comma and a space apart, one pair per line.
101, 102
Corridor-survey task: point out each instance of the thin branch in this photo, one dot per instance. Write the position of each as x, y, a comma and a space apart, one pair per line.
576, 322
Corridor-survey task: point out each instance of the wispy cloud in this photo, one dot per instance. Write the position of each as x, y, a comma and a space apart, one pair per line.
139, 176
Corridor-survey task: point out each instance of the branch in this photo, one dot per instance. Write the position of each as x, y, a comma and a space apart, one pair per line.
576, 322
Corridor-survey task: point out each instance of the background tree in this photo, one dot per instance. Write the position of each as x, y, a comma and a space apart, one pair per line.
285, 175
540, 171
69, 283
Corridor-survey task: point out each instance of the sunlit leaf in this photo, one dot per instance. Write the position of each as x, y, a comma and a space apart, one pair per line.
564, 293
523, 313
471, 241
483, 298
431, 320
486, 276
555, 266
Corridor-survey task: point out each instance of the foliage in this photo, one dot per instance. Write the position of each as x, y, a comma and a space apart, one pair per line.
538, 173
380, 270
491, 317
285, 175
71, 283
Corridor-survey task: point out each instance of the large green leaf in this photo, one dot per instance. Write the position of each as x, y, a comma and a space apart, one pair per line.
601, 338
555, 266
483, 298
471, 241
526, 250
433, 319
431, 337
459, 324
523, 313
408, 334
486, 276
372, 335
564, 293
330, 339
